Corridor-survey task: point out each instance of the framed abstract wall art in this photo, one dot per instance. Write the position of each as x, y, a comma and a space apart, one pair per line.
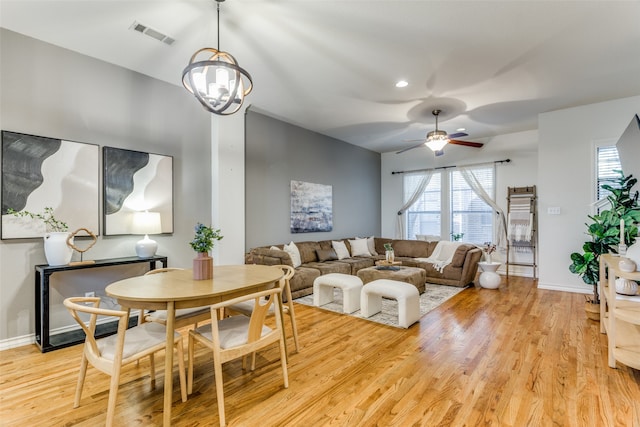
40, 172
135, 181
311, 207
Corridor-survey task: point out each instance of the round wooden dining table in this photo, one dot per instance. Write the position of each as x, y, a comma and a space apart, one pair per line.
177, 289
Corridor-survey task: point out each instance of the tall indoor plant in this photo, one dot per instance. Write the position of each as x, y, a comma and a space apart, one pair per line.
202, 243
605, 230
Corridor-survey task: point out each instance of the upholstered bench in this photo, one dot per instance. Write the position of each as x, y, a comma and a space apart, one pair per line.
350, 285
406, 294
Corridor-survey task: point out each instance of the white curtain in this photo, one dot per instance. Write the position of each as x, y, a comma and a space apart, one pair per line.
500, 231
426, 177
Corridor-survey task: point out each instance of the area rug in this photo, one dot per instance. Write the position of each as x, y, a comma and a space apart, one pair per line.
433, 296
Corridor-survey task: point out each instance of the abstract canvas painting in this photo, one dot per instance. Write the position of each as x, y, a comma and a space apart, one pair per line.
40, 172
311, 207
135, 181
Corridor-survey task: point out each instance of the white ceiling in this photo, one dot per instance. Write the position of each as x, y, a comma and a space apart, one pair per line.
330, 66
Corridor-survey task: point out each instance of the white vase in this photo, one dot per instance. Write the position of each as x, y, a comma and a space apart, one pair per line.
56, 249
633, 253
626, 287
389, 256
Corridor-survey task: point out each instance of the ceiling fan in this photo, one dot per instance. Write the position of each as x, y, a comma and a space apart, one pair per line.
437, 139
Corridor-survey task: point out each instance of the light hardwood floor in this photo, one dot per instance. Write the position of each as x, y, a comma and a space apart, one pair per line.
516, 356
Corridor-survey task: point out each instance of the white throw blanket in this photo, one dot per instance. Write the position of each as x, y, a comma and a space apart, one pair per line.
442, 254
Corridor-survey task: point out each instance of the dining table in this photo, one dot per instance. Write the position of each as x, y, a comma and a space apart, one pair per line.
178, 289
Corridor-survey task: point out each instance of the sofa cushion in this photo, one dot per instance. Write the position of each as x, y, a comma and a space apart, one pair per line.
341, 249
294, 253
326, 255
410, 248
371, 244
308, 251
359, 247
330, 267
460, 255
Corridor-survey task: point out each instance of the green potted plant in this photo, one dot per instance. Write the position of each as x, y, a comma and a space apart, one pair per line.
57, 250
605, 234
389, 253
202, 243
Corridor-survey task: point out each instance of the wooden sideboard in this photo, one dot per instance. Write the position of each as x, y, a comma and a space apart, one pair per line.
619, 314
44, 340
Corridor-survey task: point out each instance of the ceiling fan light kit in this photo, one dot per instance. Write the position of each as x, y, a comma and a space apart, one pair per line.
437, 139
216, 80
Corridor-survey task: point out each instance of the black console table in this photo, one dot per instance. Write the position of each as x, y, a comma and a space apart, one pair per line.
66, 339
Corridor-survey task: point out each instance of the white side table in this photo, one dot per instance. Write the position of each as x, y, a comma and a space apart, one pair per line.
489, 279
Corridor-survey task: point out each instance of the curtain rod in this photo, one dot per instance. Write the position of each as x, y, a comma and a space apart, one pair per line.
449, 167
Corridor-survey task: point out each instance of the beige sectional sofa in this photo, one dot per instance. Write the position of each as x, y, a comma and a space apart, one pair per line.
461, 271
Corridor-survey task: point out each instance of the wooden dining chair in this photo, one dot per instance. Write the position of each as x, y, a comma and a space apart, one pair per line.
109, 354
238, 336
184, 316
246, 307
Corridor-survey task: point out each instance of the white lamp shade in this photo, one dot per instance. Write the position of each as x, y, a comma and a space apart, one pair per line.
146, 223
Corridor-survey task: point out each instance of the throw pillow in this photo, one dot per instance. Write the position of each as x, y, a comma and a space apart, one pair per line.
294, 253
326, 255
275, 248
371, 244
359, 247
341, 249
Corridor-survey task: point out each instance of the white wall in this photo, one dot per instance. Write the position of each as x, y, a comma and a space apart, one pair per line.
520, 147
566, 180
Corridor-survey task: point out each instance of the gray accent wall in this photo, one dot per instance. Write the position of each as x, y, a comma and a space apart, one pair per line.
58, 93
277, 153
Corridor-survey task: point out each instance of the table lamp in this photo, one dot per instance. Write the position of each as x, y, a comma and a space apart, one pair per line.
146, 223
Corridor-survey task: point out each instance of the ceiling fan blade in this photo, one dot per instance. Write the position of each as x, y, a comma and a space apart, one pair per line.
466, 143
411, 148
457, 135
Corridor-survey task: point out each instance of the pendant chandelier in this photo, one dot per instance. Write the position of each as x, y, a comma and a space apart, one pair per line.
216, 79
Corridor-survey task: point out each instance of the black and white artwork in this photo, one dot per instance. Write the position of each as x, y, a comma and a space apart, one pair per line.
311, 207
40, 172
135, 181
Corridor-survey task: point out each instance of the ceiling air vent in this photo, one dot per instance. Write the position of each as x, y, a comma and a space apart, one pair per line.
155, 34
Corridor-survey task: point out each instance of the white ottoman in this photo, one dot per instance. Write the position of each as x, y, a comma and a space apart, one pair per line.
350, 285
406, 294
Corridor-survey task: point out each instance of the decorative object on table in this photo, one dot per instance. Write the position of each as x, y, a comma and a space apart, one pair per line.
152, 188
311, 207
202, 243
489, 279
146, 223
633, 254
622, 247
39, 171
627, 265
604, 233
81, 250
488, 250
456, 236
216, 80
389, 253
56, 247
626, 286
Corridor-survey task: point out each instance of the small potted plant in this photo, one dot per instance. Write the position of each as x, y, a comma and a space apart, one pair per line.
488, 250
202, 243
389, 253
56, 249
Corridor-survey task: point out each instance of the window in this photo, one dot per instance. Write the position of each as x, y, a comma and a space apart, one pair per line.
470, 215
607, 161
424, 217
449, 205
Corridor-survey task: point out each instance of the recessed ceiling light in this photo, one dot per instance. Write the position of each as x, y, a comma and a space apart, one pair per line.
461, 129
402, 83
